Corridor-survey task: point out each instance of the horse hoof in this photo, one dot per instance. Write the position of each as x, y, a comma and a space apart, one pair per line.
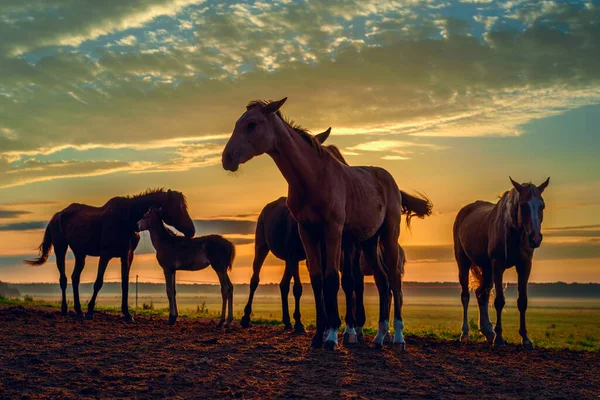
79, 317
89, 316
317, 341
464, 339
128, 318
64, 313
330, 345
228, 323
220, 324
245, 322
375, 346
287, 327
360, 338
299, 329
171, 321
399, 347
528, 346
499, 342
490, 337
349, 340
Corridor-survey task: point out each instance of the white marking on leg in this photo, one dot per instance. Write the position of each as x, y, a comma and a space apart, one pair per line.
398, 327
332, 336
351, 332
382, 329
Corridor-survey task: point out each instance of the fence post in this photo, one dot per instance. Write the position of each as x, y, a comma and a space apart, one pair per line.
136, 294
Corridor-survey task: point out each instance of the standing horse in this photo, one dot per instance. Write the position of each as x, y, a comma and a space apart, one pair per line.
488, 239
106, 232
177, 253
277, 231
330, 200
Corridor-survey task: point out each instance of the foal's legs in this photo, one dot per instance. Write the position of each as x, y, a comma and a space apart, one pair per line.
350, 337
171, 295
359, 290
102, 264
125, 266
312, 247
75, 278
523, 271
499, 302
389, 241
60, 253
260, 253
226, 295
483, 298
298, 327
284, 289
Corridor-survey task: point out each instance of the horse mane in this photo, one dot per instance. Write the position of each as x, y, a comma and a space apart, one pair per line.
161, 190
506, 206
303, 132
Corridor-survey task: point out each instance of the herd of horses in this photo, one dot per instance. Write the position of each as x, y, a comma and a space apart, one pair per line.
339, 218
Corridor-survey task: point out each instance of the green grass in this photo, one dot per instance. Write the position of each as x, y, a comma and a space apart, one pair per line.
574, 326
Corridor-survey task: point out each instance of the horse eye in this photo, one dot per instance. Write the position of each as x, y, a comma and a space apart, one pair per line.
251, 126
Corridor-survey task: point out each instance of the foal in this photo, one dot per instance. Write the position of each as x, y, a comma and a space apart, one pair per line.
190, 254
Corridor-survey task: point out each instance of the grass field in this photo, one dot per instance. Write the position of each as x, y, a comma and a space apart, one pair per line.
552, 323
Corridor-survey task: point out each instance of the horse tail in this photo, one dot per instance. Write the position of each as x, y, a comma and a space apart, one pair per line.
475, 277
45, 247
231, 252
413, 206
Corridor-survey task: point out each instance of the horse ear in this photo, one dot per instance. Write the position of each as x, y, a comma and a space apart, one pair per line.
516, 185
273, 106
322, 137
544, 185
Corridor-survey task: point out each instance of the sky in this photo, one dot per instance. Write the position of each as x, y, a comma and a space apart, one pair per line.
102, 99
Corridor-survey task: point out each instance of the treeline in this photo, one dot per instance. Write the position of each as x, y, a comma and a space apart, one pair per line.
413, 289
7, 290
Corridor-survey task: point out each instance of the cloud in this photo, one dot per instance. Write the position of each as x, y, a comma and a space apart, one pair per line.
4, 213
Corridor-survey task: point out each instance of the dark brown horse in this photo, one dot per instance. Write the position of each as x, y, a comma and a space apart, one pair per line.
488, 239
330, 200
106, 232
177, 253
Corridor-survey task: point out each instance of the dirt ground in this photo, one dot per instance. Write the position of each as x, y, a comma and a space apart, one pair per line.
45, 355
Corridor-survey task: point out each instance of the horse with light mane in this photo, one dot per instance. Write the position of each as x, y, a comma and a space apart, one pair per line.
106, 232
490, 238
330, 200
177, 253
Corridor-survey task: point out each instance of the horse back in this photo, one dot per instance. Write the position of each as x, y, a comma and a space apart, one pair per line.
471, 230
281, 231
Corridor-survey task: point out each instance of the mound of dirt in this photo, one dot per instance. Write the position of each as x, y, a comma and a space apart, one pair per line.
45, 355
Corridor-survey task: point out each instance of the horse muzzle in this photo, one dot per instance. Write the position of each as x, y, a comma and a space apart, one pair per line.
535, 240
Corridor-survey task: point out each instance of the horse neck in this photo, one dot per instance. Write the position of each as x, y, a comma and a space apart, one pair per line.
503, 222
158, 234
141, 204
296, 160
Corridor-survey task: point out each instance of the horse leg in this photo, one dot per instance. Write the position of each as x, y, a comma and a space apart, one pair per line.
298, 327
102, 264
171, 293
331, 284
370, 250
523, 271
359, 290
60, 254
483, 299
125, 266
391, 254
224, 294
261, 250
499, 302
75, 278
284, 289
312, 247
464, 267
350, 337
229, 301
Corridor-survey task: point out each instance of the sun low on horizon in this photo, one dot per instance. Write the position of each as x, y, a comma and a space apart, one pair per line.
99, 100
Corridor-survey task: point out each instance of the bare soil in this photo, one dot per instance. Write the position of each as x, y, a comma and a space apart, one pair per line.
46, 355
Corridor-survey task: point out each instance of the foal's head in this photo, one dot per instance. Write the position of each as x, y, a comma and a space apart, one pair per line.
253, 134
530, 213
150, 220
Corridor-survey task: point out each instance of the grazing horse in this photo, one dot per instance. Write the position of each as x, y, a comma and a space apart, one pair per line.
177, 253
329, 200
106, 232
277, 231
490, 238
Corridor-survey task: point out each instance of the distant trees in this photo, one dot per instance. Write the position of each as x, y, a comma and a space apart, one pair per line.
8, 291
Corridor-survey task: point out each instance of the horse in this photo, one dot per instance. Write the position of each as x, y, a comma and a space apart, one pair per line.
107, 232
177, 253
277, 231
330, 200
490, 238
